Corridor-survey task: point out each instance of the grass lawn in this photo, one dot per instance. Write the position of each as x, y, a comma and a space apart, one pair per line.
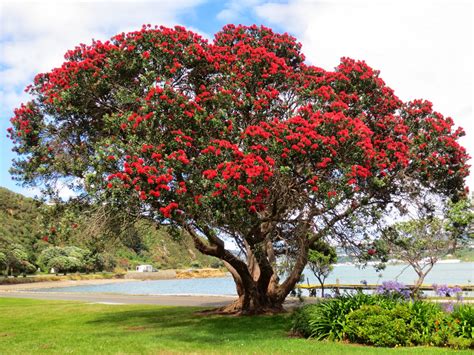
33, 326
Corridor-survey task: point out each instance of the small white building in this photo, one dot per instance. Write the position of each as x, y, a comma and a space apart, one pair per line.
144, 268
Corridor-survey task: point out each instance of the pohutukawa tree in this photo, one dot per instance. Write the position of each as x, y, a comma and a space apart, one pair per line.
235, 140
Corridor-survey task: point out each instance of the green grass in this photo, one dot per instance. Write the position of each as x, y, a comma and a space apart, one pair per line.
33, 326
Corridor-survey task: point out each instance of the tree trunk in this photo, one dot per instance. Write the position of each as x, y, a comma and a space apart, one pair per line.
253, 302
257, 282
421, 277
252, 298
321, 282
418, 283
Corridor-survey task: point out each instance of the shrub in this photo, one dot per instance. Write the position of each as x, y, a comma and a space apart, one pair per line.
328, 318
300, 320
446, 291
444, 333
47, 255
424, 316
394, 289
196, 264
28, 268
217, 264
374, 325
463, 315
382, 320
64, 264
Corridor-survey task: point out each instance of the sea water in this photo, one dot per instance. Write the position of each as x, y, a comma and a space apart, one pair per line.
449, 273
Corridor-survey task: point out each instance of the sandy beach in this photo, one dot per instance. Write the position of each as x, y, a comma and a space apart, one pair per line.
60, 283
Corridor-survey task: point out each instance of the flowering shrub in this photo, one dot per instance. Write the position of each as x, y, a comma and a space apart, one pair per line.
393, 289
446, 291
384, 321
233, 137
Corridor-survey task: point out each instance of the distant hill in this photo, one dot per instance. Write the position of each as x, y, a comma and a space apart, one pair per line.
21, 223
19, 218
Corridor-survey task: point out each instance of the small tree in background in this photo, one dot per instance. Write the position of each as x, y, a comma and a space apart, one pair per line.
321, 260
68, 259
460, 220
47, 255
64, 264
16, 260
422, 242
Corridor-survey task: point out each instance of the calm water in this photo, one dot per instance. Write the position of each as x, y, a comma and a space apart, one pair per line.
460, 273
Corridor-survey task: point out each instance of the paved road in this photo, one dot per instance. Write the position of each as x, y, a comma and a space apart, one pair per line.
197, 301
33, 290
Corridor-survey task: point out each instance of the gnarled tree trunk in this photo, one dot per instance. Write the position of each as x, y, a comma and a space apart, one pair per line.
257, 283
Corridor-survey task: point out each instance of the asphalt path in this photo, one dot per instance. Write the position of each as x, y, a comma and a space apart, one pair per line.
34, 291
109, 298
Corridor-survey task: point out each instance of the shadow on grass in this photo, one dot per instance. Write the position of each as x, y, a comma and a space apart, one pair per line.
182, 324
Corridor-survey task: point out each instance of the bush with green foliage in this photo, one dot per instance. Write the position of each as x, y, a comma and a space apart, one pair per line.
374, 325
70, 259
15, 260
65, 264
196, 264
47, 255
385, 321
301, 318
463, 315
328, 317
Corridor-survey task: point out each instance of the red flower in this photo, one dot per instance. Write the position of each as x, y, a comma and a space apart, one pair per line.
209, 174
166, 211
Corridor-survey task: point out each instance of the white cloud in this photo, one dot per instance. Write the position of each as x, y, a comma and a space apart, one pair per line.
423, 49
34, 35
236, 9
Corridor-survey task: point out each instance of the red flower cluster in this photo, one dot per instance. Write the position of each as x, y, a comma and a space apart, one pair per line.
191, 122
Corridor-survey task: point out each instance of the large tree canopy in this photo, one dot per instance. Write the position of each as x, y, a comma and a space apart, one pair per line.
237, 139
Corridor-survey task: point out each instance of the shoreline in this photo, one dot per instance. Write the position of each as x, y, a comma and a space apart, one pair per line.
19, 287
168, 274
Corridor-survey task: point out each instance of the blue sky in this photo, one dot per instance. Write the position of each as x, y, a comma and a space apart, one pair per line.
424, 49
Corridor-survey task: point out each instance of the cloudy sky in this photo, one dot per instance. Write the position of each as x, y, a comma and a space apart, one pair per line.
422, 48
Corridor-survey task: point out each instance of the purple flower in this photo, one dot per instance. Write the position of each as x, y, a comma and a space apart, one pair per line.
393, 288
448, 307
446, 291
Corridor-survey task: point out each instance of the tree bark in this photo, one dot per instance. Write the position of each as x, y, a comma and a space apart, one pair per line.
421, 277
256, 280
